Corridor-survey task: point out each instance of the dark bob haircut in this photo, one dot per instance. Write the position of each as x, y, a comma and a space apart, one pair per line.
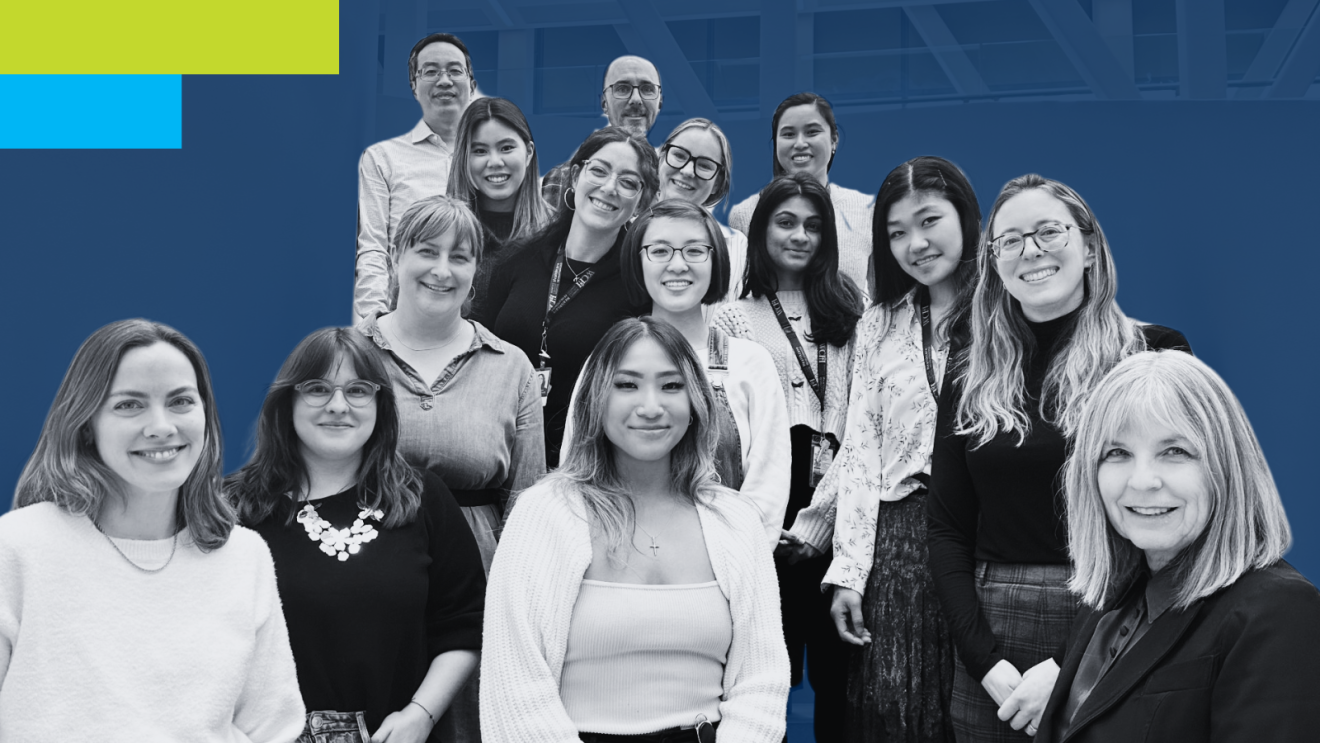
630, 262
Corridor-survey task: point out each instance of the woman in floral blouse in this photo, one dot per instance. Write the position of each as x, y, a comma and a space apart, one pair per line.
925, 232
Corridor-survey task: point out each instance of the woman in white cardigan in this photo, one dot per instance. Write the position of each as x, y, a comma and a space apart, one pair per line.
632, 595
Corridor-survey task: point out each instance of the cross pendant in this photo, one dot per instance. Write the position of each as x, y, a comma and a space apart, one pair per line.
655, 549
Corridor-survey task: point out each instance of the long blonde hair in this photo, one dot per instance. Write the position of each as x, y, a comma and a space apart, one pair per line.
1247, 527
589, 463
993, 382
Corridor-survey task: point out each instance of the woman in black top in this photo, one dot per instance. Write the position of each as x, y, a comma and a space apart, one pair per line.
494, 173
380, 578
1045, 328
574, 262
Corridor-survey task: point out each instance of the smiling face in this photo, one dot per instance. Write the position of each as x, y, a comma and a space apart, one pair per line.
647, 410
444, 99
436, 275
677, 286
1153, 483
925, 236
336, 431
1048, 285
151, 428
803, 142
634, 113
600, 205
683, 183
497, 164
792, 238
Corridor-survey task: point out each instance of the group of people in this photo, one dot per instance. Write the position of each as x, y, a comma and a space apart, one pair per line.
928, 463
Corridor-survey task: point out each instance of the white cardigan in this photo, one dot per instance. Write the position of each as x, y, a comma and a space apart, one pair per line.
545, 551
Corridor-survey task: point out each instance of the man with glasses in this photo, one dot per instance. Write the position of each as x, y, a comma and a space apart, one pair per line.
397, 172
630, 98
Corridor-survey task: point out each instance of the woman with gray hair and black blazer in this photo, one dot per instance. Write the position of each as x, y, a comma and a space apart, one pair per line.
1193, 627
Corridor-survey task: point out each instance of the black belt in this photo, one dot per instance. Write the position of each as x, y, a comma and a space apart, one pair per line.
672, 735
480, 497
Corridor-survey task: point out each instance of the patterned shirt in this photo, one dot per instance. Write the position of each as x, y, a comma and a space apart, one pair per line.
391, 176
887, 440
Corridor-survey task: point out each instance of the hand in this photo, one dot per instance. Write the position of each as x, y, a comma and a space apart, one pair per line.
409, 725
1025, 706
792, 548
1000, 682
846, 611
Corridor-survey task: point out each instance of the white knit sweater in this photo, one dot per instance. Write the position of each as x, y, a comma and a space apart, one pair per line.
93, 649
545, 551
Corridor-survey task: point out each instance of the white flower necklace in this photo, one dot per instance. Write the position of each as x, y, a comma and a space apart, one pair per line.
340, 543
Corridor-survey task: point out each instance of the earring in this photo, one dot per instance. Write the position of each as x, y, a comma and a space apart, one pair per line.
472, 293
571, 205
692, 419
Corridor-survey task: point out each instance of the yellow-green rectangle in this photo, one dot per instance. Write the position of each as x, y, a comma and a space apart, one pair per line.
169, 37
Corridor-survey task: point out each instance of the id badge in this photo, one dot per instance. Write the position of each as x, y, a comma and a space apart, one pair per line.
822, 456
543, 376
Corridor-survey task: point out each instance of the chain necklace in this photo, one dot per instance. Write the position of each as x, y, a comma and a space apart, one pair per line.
174, 546
655, 546
340, 543
399, 339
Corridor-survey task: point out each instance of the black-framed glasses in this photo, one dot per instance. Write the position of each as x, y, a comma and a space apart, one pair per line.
648, 90
1048, 237
317, 392
663, 253
431, 74
678, 158
599, 173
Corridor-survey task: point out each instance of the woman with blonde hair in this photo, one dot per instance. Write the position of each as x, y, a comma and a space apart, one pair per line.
132, 607
1044, 330
1193, 628
632, 597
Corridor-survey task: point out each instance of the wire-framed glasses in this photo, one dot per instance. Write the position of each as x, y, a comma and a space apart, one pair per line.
599, 173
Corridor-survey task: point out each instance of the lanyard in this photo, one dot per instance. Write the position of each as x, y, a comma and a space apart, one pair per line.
554, 303
817, 381
923, 297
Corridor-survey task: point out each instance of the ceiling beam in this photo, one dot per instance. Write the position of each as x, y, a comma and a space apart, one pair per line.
948, 52
1202, 56
1113, 19
650, 38
778, 53
1292, 19
1082, 43
405, 25
1302, 65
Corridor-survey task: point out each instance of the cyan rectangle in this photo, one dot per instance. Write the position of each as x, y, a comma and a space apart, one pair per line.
91, 111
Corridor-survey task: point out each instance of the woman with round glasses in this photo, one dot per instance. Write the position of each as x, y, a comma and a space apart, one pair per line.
696, 165
803, 310
558, 295
131, 606
633, 598
379, 575
675, 256
494, 173
1044, 330
804, 136
468, 402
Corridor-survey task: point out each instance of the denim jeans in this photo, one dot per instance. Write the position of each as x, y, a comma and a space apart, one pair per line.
328, 726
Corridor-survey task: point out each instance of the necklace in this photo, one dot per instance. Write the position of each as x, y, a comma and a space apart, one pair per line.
399, 339
576, 273
339, 543
655, 546
173, 547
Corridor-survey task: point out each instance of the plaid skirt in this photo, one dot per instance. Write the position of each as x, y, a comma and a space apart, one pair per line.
1030, 612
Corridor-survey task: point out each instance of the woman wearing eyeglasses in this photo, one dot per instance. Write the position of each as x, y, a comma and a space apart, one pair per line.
1045, 329
494, 173
805, 136
558, 295
378, 573
675, 256
469, 403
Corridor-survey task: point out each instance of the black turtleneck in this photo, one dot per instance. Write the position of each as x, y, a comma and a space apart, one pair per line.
1002, 502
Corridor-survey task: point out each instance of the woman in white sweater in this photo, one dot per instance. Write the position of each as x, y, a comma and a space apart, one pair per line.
631, 595
132, 608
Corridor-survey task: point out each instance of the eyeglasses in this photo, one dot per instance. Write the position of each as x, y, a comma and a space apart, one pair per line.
431, 74
678, 158
599, 174
649, 91
317, 392
1048, 237
662, 253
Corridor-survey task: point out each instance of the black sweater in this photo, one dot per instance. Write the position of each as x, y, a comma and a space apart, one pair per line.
364, 631
1001, 502
515, 307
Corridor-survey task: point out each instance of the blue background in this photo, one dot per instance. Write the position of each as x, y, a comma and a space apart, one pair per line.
244, 238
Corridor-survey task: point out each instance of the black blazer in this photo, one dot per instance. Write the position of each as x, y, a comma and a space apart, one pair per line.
1241, 665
